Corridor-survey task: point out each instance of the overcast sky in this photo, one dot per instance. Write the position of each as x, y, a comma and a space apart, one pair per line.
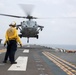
57, 29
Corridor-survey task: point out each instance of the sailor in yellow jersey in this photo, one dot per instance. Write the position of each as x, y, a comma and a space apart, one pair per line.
12, 39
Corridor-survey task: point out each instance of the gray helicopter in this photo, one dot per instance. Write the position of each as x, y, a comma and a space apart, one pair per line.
29, 28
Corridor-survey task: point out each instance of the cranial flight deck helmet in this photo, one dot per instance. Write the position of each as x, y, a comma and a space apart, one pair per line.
13, 24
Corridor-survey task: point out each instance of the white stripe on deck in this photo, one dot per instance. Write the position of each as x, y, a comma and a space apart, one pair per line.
21, 64
26, 51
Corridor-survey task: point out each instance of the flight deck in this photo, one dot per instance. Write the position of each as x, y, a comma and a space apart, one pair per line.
38, 60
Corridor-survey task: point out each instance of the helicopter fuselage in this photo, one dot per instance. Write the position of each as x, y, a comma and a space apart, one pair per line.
29, 29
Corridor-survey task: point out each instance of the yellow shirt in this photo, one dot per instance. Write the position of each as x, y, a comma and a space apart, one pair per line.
11, 33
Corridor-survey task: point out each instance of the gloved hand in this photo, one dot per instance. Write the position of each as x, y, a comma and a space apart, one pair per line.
4, 44
21, 45
8, 42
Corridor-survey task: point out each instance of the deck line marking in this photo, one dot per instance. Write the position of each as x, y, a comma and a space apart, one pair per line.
21, 64
60, 64
2, 51
26, 51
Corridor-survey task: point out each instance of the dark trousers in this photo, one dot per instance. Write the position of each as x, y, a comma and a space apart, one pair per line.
11, 49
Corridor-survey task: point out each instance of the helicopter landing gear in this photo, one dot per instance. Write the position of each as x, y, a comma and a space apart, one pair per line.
37, 36
27, 40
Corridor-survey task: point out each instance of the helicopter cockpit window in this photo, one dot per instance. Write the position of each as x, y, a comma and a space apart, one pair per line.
30, 24
24, 24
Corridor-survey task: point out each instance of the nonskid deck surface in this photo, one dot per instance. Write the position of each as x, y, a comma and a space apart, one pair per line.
38, 60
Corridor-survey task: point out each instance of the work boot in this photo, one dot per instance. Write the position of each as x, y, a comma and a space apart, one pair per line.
13, 62
4, 61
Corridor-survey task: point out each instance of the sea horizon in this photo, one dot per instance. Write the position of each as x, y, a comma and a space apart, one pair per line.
67, 47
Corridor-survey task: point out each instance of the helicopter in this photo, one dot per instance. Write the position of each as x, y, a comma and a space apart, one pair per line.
29, 28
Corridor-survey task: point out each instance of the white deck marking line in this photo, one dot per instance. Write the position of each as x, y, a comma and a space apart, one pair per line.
26, 51
2, 51
21, 64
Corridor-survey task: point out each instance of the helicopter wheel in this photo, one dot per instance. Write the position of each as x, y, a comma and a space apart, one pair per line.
37, 36
27, 40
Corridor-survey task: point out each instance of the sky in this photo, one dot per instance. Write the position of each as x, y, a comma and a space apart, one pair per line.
58, 19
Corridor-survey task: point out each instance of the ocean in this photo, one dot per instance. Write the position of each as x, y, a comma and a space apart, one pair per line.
67, 47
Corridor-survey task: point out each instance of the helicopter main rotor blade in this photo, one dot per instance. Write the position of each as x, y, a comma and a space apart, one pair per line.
27, 8
28, 17
13, 16
31, 17
62, 17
